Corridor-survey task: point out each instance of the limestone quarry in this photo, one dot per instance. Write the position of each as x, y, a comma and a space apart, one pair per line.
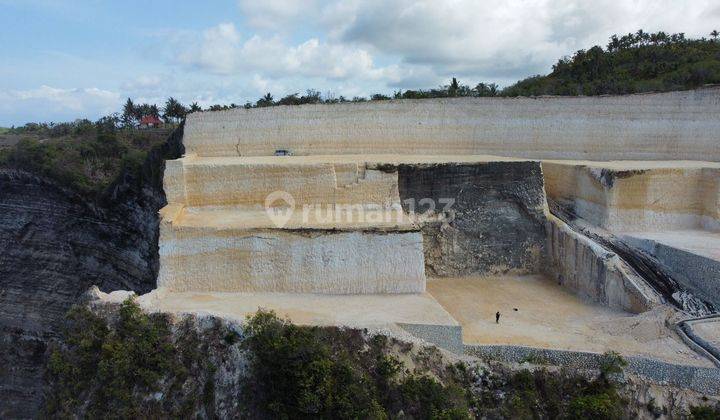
590, 223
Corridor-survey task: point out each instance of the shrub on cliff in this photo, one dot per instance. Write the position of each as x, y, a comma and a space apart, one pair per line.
123, 363
113, 369
85, 157
295, 375
705, 413
300, 372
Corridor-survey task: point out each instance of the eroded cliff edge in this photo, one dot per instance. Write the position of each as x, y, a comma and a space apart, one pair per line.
55, 244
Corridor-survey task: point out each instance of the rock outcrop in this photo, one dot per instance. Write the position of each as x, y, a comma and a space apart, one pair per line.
497, 217
55, 244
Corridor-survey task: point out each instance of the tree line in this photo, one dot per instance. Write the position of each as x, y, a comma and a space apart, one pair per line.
635, 62
173, 112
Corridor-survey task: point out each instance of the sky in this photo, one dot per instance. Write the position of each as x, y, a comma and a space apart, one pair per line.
62, 60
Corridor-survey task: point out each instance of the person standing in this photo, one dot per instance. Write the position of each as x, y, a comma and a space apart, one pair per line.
497, 317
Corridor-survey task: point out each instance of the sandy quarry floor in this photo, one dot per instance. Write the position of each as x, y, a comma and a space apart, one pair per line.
549, 316
309, 309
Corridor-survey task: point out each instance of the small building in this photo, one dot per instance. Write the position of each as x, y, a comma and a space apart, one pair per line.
150, 121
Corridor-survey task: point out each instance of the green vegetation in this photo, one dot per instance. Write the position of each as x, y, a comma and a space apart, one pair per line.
302, 372
4, 130
639, 62
82, 155
120, 367
110, 369
541, 393
124, 363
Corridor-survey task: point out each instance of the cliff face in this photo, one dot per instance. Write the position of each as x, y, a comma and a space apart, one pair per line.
499, 220
54, 245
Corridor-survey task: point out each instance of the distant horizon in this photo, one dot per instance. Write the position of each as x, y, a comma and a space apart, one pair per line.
64, 60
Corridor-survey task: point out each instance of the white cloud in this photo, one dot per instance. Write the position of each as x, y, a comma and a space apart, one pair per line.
317, 59
347, 47
216, 50
277, 15
55, 104
219, 50
498, 39
142, 82
424, 41
378, 45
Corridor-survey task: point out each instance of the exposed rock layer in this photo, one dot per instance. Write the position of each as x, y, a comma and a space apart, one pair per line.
638, 196
54, 245
591, 271
672, 125
498, 218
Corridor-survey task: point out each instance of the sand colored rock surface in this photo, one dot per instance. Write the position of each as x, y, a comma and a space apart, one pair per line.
673, 125
638, 196
417, 313
340, 179
549, 316
348, 228
342, 242
593, 272
206, 259
700, 242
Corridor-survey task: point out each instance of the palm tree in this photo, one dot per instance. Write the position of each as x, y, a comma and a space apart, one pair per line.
174, 110
453, 89
714, 34
266, 100
129, 115
194, 107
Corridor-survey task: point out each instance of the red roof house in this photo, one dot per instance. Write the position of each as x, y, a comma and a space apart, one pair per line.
150, 121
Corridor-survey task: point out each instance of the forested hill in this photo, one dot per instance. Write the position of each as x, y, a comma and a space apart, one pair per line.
639, 62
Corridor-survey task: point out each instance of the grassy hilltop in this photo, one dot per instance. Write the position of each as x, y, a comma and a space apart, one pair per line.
639, 62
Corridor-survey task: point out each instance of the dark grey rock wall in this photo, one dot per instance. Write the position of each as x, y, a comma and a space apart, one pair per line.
55, 244
696, 273
499, 219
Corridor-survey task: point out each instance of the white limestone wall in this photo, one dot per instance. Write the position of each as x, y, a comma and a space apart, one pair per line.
205, 259
198, 182
590, 271
643, 199
674, 125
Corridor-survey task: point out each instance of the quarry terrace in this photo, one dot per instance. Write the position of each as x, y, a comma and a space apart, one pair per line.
587, 223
